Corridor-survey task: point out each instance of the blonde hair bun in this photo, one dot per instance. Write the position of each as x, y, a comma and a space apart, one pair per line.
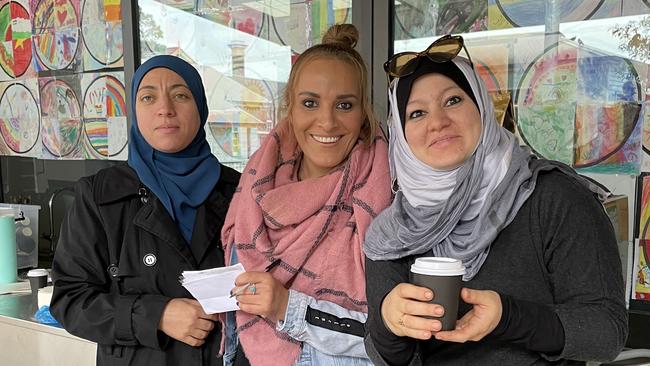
342, 35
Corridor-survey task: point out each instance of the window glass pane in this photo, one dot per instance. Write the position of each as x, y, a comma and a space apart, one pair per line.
576, 71
244, 50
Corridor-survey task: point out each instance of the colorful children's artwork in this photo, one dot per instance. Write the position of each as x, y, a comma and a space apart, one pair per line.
546, 100
324, 14
524, 13
42, 107
101, 27
609, 136
16, 41
645, 167
61, 120
104, 116
56, 34
641, 267
491, 62
20, 118
582, 107
427, 18
246, 19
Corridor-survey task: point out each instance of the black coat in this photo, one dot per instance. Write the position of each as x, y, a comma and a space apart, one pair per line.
118, 262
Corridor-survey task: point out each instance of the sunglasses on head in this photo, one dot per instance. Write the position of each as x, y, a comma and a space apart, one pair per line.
441, 50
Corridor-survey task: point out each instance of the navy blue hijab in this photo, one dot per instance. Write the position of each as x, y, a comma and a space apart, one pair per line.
182, 180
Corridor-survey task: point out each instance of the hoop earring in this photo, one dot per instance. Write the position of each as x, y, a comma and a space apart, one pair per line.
394, 187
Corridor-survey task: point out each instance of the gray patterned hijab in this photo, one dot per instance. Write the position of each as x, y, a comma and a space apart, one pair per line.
457, 213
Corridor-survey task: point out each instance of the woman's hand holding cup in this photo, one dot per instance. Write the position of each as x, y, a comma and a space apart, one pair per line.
405, 311
478, 322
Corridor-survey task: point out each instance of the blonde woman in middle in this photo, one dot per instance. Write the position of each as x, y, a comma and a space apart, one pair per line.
300, 214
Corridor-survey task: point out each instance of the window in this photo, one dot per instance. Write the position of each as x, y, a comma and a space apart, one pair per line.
244, 51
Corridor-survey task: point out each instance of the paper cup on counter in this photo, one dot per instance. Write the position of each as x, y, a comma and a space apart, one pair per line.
37, 279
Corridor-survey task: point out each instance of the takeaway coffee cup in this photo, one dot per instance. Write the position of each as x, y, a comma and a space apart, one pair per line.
443, 277
37, 279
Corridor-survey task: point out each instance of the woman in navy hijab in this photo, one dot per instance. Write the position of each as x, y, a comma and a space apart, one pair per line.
133, 229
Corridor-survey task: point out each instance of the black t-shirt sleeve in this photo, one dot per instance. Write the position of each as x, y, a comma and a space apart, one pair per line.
534, 326
381, 278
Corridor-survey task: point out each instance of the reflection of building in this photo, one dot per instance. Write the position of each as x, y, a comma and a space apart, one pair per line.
242, 111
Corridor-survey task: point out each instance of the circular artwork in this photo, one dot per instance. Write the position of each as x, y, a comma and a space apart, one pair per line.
105, 115
102, 39
56, 33
578, 110
19, 118
62, 123
427, 18
523, 13
16, 30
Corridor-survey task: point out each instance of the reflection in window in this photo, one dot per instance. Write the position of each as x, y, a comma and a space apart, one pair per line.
243, 50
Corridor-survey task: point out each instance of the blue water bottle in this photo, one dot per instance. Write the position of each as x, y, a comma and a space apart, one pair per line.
8, 260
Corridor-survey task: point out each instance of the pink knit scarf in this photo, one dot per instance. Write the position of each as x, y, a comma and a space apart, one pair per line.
316, 227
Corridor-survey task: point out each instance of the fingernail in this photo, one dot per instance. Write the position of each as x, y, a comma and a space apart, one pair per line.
237, 303
428, 295
438, 311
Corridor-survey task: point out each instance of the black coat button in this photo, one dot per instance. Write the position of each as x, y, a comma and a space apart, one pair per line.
113, 271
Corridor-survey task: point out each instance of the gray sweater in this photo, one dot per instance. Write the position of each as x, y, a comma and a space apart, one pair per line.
558, 255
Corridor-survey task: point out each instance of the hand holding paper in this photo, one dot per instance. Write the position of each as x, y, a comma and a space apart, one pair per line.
211, 287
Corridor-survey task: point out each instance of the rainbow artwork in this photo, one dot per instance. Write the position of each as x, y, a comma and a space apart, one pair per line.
104, 115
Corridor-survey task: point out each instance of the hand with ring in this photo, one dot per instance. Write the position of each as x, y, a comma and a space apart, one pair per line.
263, 295
404, 311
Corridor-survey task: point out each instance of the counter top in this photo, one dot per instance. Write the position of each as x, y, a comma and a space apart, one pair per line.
18, 309
26, 342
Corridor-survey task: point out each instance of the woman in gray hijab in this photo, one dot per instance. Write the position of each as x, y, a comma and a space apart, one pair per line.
542, 284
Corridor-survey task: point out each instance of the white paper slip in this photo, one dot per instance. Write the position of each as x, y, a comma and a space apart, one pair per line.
211, 287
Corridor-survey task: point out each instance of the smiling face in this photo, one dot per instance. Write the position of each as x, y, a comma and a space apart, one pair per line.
443, 125
168, 117
326, 114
